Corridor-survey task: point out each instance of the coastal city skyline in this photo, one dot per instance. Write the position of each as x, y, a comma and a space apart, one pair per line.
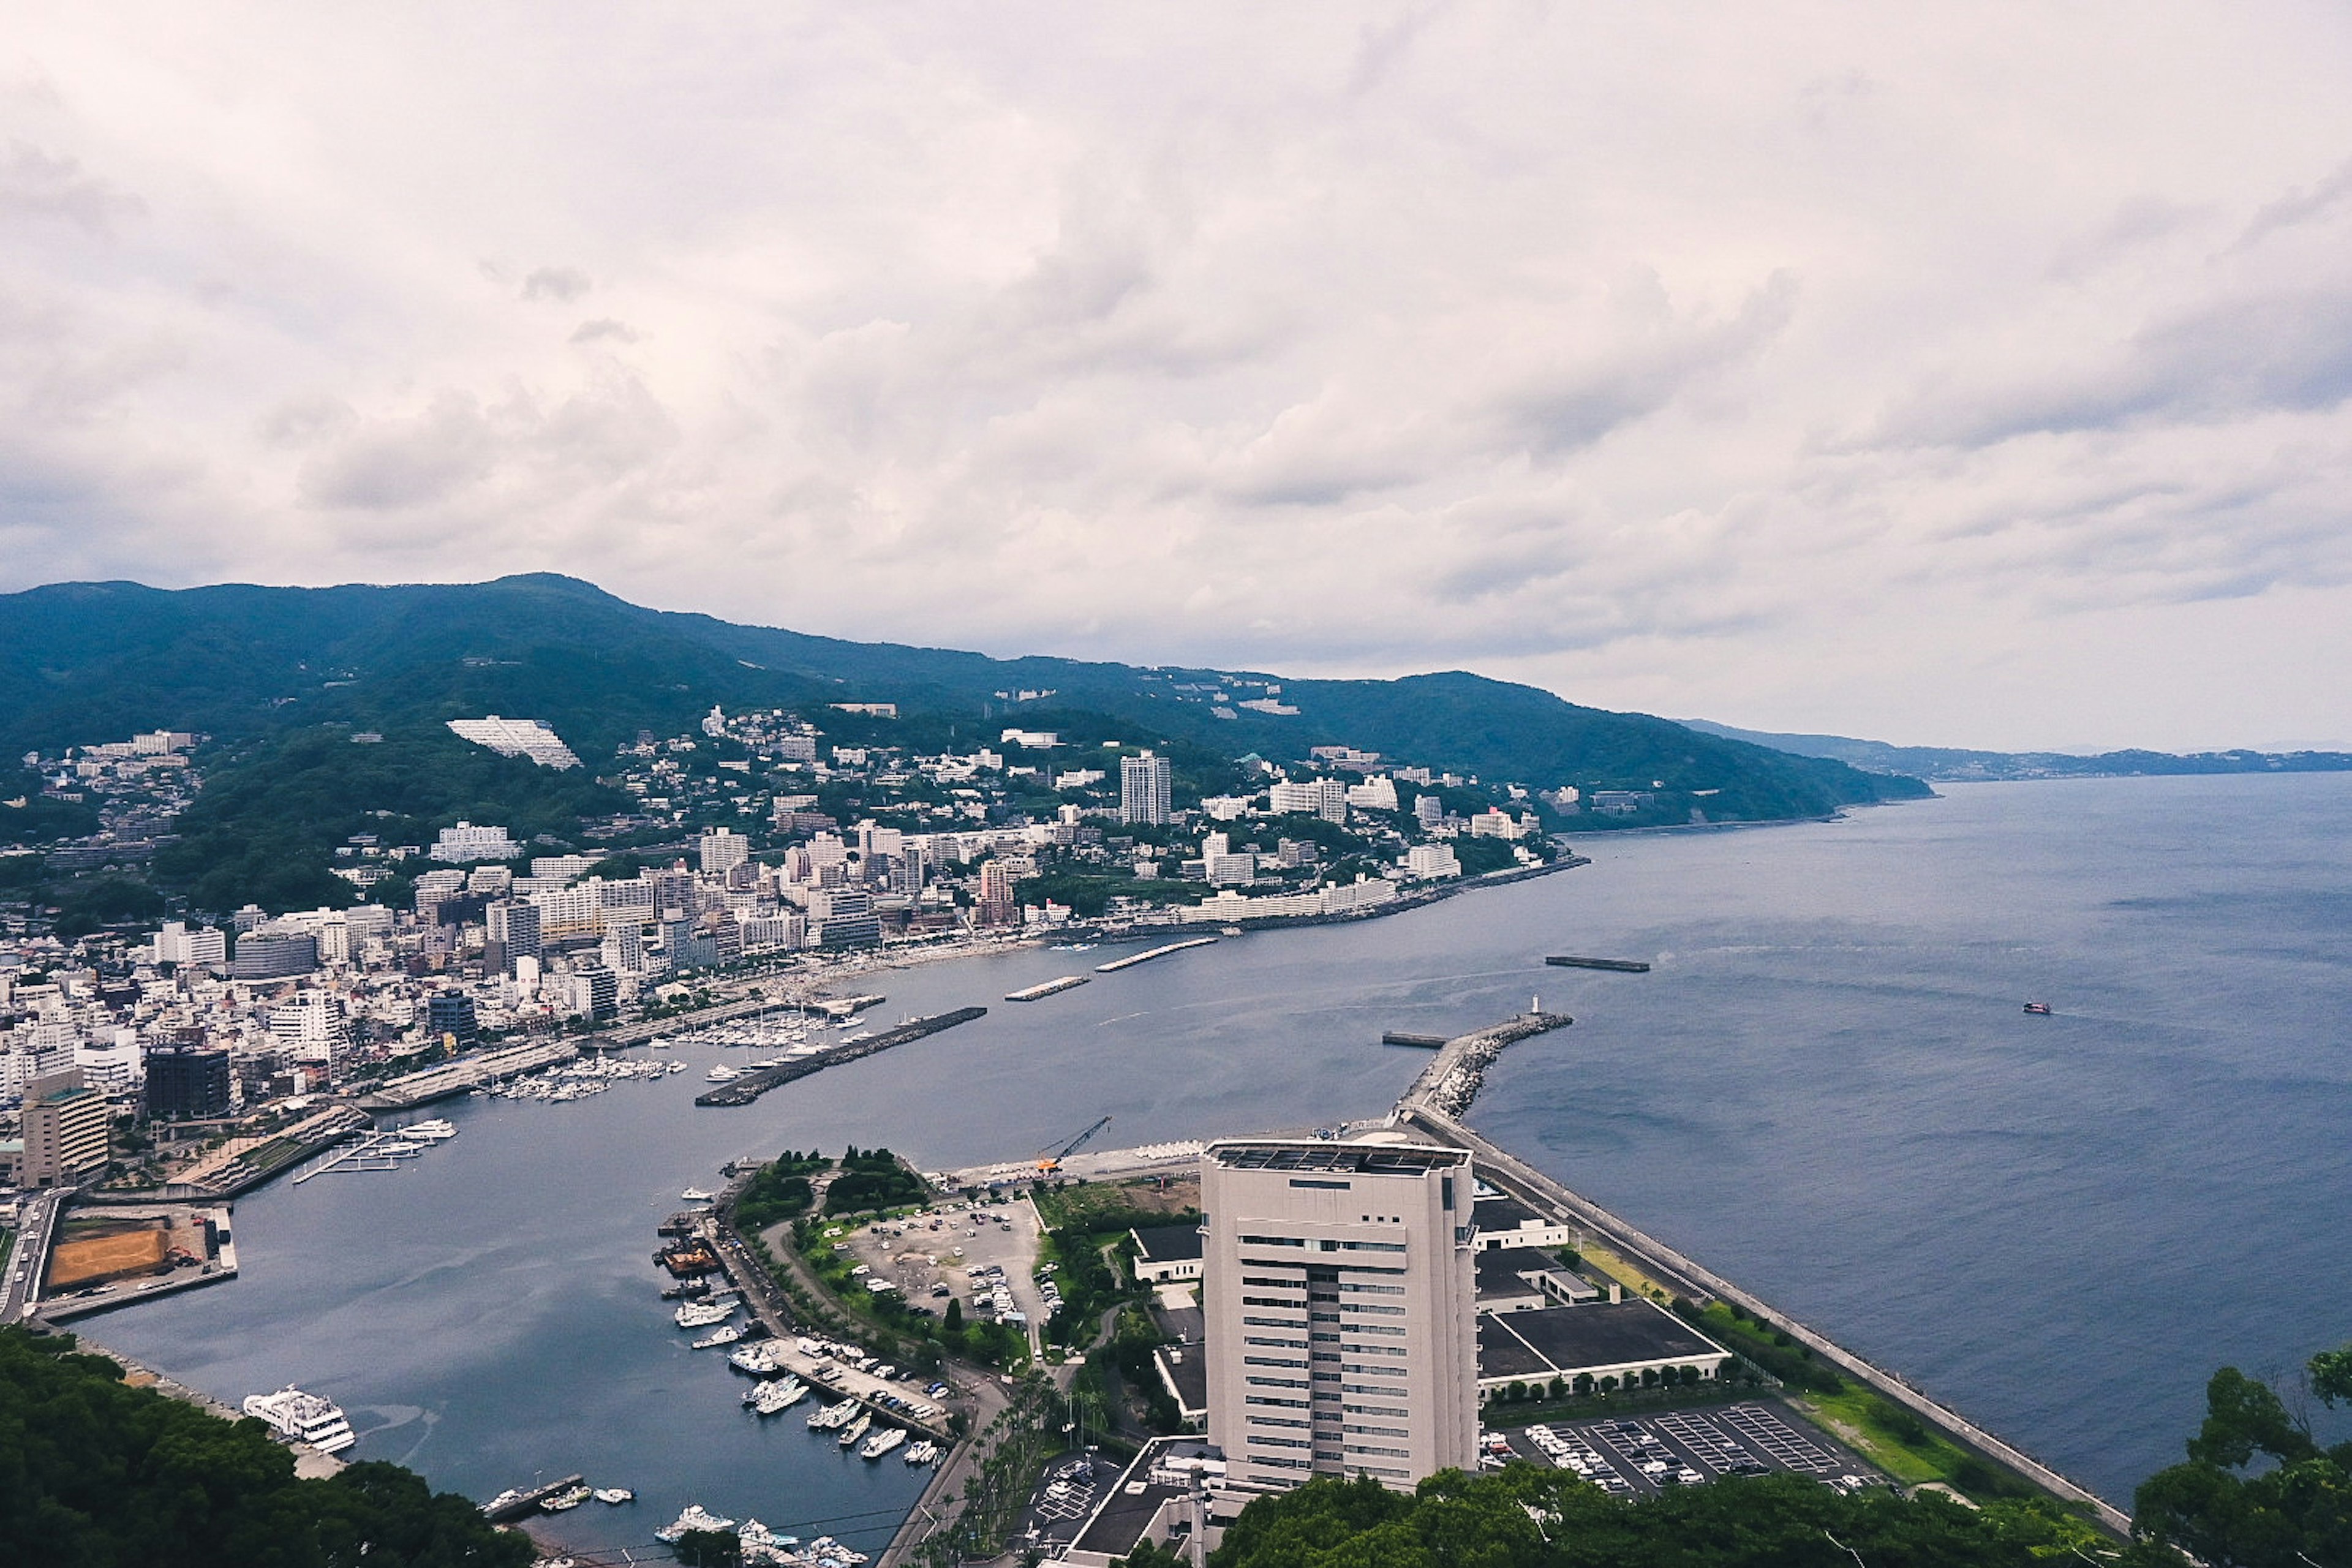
1945, 380
817, 786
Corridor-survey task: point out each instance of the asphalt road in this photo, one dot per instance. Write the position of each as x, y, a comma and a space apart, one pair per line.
20, 1291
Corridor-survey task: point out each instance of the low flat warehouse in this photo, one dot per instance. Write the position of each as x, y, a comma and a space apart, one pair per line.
1632, 1343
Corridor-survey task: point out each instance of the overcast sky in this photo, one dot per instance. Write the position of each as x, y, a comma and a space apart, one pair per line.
1972, 376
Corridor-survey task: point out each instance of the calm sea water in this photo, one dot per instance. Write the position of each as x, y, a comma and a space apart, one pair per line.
1826, 1088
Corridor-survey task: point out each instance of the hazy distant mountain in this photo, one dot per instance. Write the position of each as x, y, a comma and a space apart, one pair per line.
91, 661
1948, 764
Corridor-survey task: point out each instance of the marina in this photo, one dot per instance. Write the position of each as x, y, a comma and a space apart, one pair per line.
381, 1150
747, 1087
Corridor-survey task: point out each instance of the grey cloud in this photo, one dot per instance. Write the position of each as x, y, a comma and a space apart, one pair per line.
399, 463
2231, 357
563, 284
1581, 403
2300, 206
37, 183
605, 328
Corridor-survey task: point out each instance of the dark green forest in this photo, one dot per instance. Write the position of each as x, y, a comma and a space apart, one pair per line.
95, 1474
264, 829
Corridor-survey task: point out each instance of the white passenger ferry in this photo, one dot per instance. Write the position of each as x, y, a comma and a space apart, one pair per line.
304, 1417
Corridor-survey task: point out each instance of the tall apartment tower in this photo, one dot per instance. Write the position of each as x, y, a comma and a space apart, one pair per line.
722, 849
67, 1130
1146, 789
1340, 1336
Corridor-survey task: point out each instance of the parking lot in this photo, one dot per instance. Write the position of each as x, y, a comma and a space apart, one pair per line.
1638, 1455
1065, 1498
958, 1247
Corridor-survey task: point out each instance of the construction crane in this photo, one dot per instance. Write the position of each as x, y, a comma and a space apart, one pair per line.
1049, 1159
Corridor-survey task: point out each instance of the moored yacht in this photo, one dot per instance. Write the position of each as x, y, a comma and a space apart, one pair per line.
696, 1517
304, 1418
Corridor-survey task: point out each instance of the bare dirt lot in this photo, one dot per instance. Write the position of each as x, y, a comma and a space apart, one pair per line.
85, 1260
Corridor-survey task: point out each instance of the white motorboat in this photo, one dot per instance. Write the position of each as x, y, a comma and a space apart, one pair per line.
616, 1495
882, 1442
696, 1517
775, 1398
702, 1314
696, 1195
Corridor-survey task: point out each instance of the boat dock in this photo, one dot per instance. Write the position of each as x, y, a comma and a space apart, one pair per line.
1132, 959
753, 1084
378, 1150
1051, 987
1399, 1038
523, 1504
1620, 965
471, 1072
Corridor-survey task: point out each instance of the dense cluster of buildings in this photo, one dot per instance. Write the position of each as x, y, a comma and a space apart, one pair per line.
489, 936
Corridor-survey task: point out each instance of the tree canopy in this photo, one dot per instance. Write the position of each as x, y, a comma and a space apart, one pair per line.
1523, 1517
96, 1474
2258, 1489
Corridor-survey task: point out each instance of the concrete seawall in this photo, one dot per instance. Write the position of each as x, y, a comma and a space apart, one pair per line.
1698, 1283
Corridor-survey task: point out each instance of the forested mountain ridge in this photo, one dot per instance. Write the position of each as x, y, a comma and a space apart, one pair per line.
85, 662
1953, 764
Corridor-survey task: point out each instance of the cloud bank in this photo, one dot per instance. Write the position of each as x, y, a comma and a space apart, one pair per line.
1976, 375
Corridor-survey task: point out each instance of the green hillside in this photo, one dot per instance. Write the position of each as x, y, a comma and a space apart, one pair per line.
87, 661
282, 678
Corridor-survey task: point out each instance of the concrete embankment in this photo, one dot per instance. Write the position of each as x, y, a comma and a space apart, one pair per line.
1698, 1283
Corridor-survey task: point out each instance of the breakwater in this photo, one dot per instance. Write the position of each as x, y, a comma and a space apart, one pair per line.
754, 1084
1050, 988
1451, 1081
1698, 1284
1148, 954
1620, 965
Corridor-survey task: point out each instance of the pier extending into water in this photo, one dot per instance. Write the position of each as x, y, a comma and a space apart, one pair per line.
1148, 954
760, 1081
1050, 988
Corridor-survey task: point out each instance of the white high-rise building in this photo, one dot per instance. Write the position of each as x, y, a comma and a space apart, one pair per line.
724, 850
1146, 789
1340, 1310
466, 843
202, 948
